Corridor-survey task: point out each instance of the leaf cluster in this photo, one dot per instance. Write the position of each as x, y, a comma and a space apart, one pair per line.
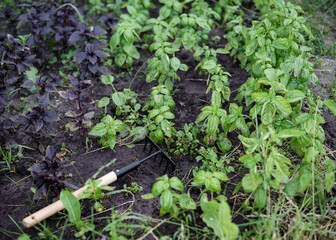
48, 172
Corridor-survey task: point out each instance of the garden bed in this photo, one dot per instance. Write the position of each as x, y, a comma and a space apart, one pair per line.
220, 148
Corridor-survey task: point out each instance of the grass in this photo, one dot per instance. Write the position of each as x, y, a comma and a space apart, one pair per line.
322, 19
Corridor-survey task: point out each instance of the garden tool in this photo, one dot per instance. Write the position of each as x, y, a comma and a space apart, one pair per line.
105, 180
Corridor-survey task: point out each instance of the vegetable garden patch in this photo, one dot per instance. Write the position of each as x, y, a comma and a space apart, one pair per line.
221, 89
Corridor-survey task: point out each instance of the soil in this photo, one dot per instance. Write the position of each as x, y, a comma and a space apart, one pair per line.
190, 97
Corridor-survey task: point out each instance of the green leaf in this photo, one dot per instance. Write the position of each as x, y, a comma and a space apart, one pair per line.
251, 46
169, 115
305, 180
283, 105
72, 205
103, 102
138, 133
164, 12
202, 116
159, 187
267, 114
250, 143
118, 98
313, 79
186, 202
249, 160
298, 65
175, 63
208, 65
331, 105
120, 59
260, 198
288, 133
212, 125
293, 186
260, 97
281, 43
200, 177
271, 74
148, 196
165, 61
329, 180
99, 130
188, 40
114, 40
214, 185
131, 10
128, 35
216, 100
222, 51
294, 96
224, 144
176, 183
183, 67
166, 201
153, 113
131, 51
32, 74
220, 175
202, 23
24, 237
157, 135
107, 79
216, 214
249, 183
166, 128
110, 142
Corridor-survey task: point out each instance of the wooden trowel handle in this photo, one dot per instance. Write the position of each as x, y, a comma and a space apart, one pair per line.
58, 205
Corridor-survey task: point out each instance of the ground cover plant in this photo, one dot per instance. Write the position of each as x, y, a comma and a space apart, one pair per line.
227, 88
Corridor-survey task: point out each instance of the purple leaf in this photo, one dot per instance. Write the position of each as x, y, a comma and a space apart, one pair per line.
20, 67
101, 54
31, 41
73, 95
79, 57
89, 115
7, 125
98, 31
38, 167
88, 99
50, 88
44, 189
38, 124
3, 100
85, 84
92, 59
49, 117
89, 48
74, 82
44, 16
93, 68
50, 153
30, 58
19, 119
69, 184
75, 36
28, 84
11, 39
64, 94
82, 27
104, 70
44, 101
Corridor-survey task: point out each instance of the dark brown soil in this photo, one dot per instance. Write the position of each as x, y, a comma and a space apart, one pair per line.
17, 202
190, 97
